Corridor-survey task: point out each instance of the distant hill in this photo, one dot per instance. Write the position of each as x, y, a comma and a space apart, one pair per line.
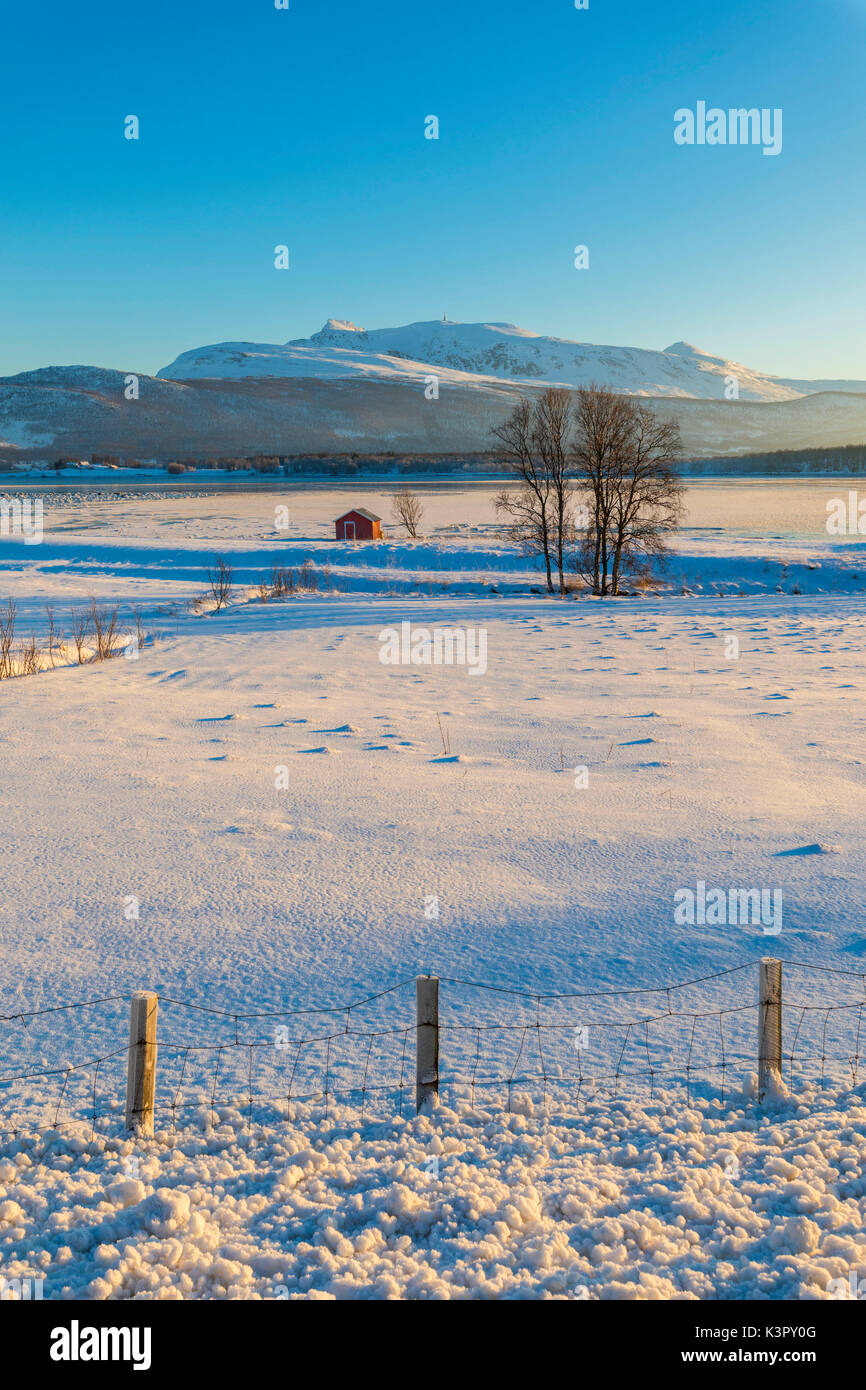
350, 390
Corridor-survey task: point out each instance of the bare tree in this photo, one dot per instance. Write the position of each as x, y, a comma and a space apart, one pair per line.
282, 581
308, 579
406, 508
551, 431
7, 638
648, 493
28, 657
104, 623
537, 439
220, 578
79, 626
601, 436
623, 464
527, 509
54, 639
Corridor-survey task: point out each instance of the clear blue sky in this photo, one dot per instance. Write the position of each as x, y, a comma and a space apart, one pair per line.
305, 127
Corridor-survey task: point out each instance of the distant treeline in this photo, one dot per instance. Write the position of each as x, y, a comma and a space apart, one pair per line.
845, 458
335, 464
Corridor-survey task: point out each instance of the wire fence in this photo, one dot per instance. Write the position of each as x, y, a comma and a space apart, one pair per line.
575, 1044
498, 1048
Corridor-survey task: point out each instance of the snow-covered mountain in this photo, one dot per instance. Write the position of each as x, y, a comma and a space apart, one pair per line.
460, 353
351, 390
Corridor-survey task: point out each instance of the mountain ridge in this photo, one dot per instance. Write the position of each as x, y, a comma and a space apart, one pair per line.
439, 388
493, 351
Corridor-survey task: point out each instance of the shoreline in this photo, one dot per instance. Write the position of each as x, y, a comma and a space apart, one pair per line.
214, 479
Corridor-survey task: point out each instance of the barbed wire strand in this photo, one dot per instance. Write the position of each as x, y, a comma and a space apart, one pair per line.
332, 1087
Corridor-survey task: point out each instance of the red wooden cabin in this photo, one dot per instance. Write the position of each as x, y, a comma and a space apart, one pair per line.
359, 525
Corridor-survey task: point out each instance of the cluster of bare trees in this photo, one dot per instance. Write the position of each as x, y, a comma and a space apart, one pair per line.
596, 489
94, 635
281, 582
284, 581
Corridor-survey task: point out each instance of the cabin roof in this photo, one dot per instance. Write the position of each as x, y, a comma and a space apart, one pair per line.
360, 511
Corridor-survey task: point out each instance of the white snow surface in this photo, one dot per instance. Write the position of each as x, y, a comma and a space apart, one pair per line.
616, 1201
153, 781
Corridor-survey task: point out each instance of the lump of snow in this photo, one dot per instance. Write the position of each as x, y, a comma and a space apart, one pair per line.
10, 1213
799, 1235
165, 1211
127, 1193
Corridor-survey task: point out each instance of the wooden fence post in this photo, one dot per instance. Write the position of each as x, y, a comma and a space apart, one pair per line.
769, 1026
141, 1061
426, 1041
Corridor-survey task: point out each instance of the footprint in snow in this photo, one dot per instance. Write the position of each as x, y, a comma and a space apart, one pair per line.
323, 749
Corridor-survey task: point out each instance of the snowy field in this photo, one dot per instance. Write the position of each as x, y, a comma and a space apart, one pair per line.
151, 542
619, 1201
257, 817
